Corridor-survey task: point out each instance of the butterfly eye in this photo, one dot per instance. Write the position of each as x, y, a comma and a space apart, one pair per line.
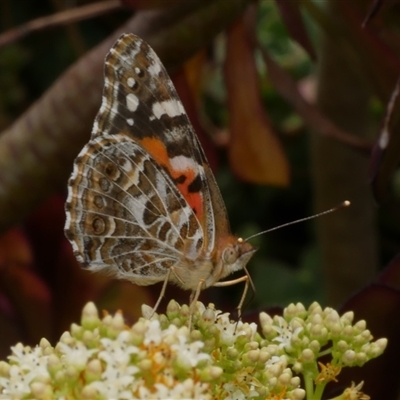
229, 255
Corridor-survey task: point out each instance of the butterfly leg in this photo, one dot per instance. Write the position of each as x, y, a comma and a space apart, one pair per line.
194, 296
242, 299
247, 281
162, 293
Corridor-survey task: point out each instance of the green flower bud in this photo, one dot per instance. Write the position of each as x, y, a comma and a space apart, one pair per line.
210, 373
232, 353
298, 394
93, 370
41, 390
90, 317
349, 357
347, 318
307, 356
173, 310
89, 393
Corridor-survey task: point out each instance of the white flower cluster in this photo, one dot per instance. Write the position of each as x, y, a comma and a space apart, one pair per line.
141, 362
161, 358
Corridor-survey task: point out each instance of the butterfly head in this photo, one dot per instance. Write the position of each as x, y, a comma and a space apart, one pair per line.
235, 256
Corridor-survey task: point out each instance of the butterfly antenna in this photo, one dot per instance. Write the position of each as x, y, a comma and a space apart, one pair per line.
343, 204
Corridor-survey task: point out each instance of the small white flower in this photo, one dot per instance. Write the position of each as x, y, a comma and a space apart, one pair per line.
18, 383
116, 351
171, 334
117, 355
145, 393
276, 365
285, 334
76, 355
273, 360
115, 389
246, 329
162, 392
30, 359
234, 393
183, 390
154, 333
201, 390
228, 330
188, 354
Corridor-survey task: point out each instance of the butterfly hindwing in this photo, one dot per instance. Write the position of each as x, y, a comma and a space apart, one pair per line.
128, 212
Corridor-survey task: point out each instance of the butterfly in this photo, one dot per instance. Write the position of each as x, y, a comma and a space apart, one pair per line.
143, 203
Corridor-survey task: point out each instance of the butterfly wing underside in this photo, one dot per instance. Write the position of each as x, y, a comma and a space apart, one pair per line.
142, 196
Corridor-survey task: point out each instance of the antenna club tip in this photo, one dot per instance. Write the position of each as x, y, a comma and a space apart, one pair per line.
346, 203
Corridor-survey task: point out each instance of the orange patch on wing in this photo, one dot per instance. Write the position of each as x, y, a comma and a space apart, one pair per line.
158, 151
194, 199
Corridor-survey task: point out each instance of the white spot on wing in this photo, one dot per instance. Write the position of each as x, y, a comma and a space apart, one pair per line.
131, 82
130, 121
154, 69
95, 128
155, 65
182, 163
68, 217
171, 107
74, 175
132, 102
104, 103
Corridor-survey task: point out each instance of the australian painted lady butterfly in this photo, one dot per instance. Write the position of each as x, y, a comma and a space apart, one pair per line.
142, 202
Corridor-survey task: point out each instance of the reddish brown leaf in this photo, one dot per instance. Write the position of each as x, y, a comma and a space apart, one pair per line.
30, 299
377, 56
15, 249
194, 72
291, 15
255, 153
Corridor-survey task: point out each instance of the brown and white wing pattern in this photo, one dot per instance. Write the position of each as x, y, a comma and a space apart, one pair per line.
140, 101
142, 198
125, 216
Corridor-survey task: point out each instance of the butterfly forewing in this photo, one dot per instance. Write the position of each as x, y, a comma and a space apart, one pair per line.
141, 101
142, 197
